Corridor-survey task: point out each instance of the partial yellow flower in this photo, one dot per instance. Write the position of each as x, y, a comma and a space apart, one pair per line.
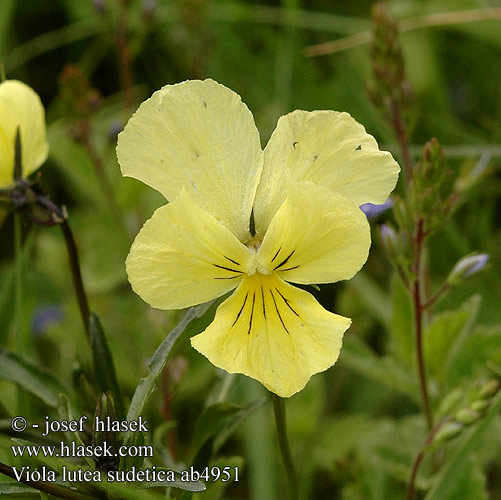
254, 221
20, 108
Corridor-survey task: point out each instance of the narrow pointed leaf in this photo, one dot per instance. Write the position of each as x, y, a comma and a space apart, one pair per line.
32, 378
103, 364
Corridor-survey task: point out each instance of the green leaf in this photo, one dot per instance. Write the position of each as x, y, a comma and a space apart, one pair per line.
402, 335
194, 486
103, 364
213, 427
373, 297
65, 413
127, 462
147, 385
473, 353
383, 369
448, 328
32, 378
17, 490
210, 422
453, 470
7, 289
471, 484
235, 421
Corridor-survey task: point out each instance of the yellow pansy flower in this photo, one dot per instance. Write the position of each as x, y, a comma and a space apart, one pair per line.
20, 109
252, 220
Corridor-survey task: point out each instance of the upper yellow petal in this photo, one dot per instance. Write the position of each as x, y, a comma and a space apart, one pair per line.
183, 256
326, 147
20, 107
200, 136
274, 333
315, 237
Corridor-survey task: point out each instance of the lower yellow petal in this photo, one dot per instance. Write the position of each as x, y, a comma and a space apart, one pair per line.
273, 332
183, 256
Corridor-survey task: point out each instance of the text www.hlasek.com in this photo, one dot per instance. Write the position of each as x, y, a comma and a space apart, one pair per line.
76, 450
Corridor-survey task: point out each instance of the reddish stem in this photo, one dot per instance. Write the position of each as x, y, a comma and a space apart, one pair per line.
434, 299
418, 318
419, 459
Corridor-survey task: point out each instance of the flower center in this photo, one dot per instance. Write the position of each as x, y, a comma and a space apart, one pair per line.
255, 266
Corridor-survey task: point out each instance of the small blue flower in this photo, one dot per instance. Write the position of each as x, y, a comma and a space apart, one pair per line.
372, 211
44, 317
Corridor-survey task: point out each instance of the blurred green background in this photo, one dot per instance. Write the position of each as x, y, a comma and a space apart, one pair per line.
93, 62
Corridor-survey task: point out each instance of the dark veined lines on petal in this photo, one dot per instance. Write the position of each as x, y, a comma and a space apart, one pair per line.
252, 313
276, 255
289, 268
241, 309
227, 268
287, 301
285, 261
278, 312
231, 260
239, 273
253, 307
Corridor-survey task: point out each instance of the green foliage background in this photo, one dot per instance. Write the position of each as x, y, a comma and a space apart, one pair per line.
356, 429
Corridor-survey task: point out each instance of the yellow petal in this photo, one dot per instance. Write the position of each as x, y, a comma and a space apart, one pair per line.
326, 147
274, 333
200, 136
183, 256
20, 107
315, 237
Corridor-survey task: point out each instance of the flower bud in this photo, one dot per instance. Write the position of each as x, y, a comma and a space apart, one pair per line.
451, 402
467, 416
480, 405
489, 389
466, 267
390, 240
105, 412
448, 431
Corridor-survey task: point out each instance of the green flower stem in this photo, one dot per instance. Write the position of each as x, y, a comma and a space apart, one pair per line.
279, 408
50, 488
418, 320
71, 247
21, 338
